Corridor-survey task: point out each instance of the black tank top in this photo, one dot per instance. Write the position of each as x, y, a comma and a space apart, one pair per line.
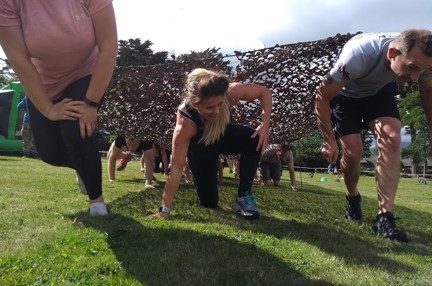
193, 115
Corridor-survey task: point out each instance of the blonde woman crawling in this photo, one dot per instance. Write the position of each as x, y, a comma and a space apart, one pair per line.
203, 131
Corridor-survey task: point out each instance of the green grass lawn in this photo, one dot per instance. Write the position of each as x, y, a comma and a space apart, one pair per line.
302, 237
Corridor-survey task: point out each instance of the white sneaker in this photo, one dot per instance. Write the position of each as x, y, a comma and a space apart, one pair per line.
80, 184
98, 209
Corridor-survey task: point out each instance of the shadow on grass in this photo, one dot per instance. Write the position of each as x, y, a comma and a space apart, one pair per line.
10, 159
408, 219
229, 183
156, 254
329, 237
132, 180
140, 183
336, 242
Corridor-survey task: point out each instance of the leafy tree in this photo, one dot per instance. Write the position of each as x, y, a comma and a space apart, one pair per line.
413, 117
134, 53
307, 151
206, 54
367, 140
7, 74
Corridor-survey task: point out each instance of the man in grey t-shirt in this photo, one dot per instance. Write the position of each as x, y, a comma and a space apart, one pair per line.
271, 164
359, 92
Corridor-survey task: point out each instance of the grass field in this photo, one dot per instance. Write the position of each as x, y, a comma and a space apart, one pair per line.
302, 238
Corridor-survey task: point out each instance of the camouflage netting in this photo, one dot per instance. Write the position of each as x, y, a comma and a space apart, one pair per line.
141, 101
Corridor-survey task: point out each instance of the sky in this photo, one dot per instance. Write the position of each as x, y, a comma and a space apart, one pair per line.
181, 26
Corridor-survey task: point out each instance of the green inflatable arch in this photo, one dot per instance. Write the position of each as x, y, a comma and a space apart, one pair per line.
10, 96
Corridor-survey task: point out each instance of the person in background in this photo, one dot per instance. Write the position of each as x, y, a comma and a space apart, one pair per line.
187, 176
271, 164
203, 131
220, 171
360, 89
257, 178
117, 151
237, 169
26, 133
64, 54
330, 169
230, 164
186, 173
289, 161
122, 149
335, 170
148, 157
161, 156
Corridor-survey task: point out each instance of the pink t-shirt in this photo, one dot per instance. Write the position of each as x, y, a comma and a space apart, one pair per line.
59, 36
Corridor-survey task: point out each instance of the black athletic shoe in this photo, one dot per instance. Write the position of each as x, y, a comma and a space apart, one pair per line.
353, 208
385, 226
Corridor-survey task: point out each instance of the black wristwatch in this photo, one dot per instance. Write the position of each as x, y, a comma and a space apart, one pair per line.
163, 209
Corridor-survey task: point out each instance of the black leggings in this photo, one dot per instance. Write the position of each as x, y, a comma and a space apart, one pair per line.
59, 143
203, 162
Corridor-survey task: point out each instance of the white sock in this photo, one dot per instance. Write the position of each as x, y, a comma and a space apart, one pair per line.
98, 209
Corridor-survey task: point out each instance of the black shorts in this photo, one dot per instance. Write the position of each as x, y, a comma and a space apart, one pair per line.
120, 141
351, 115
144, 145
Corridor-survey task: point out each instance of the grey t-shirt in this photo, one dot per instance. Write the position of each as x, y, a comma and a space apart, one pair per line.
270, 155
360, 65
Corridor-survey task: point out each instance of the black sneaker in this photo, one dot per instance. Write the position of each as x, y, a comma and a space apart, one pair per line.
385, 226
353, 208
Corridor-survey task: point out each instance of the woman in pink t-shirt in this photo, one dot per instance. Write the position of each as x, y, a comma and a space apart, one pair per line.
64, 53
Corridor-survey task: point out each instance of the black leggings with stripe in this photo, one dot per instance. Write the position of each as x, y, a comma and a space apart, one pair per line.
59, 143
203, 162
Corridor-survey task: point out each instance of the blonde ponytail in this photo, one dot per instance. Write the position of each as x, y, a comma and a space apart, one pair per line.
216, 128
202, 84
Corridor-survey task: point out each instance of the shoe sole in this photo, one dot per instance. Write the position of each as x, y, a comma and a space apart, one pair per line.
348, 217
401, 236
247, 215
